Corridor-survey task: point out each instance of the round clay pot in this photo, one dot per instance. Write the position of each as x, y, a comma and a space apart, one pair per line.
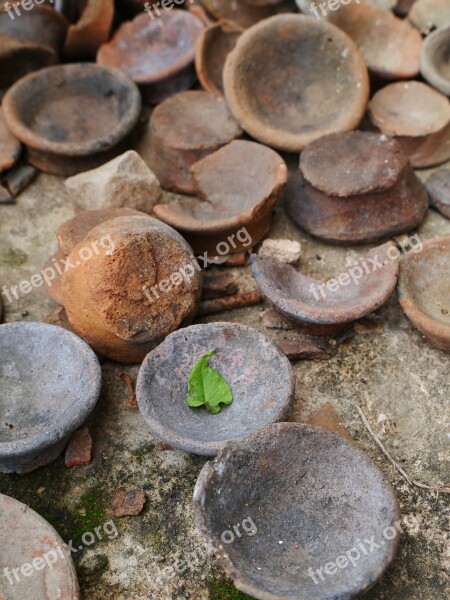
125, 300
91, 29
72, 117
184, 129
259, 375
427, 15
213, 47
39, 414
434, 59
438, 187
279, 505
238, 186
355, 187
418, 117
32, 541
315, 83
314, 302
158, 55
424, 291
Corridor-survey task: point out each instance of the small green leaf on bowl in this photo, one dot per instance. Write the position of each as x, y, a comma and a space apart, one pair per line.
207, 387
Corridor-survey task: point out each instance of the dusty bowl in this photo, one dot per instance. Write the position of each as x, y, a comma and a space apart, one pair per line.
31, 540
341, 300
158, 55
292, 499
315, 83
424, 291
91, 30
427, 15
434, 59
438, 187
73, 117
39, 414
259, 375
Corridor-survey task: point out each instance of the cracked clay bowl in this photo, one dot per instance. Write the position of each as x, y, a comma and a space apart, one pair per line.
259, 375
424, 291
312, 499
314, 81
49, 384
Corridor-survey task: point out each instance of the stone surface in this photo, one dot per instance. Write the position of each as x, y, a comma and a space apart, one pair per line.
79, 450
125, 181
286, 251
128, 503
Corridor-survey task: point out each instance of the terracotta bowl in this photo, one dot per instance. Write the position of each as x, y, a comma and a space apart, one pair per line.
315, 83
42, 26
158, 55
238, 186
242, 13
39, 414
341, 300
34, 538
91, 30
418, 117
289, 500
434, 59
73, 117
424, 291
259, 375
427, 15
438, 187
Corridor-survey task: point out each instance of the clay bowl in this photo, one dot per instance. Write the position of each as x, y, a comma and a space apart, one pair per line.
39, 414
341, 300
427, 15
300, 497
242, 13
259, 375
214, 45
238, 186
158, 55
355, 187
438, 187
434, 60
184, 129
315, 83
91, 29
30, 539
418, 117
389, 45
424, 291
73, 117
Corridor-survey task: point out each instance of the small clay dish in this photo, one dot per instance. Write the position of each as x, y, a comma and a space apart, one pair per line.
72, 117
279, 505
341, 300
438, 187
238, 186
427, 15
434, 59
355, 187
315, 83
184, 129
259, 375
91, 29
30, 539
418, 117
158, 55
424, 291
49, 384
214, 45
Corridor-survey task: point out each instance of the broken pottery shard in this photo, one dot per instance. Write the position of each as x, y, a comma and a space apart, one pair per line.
10, 147
286, 251
79, 450
19, 178
327, 418
125, 181
218, 286
128, 503
304, 349
91, 29
438, 186
212, 307
5, 196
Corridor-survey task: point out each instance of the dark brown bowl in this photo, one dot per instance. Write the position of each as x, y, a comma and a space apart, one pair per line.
290, 500
315, 82
91, 29
73, 117
434, 59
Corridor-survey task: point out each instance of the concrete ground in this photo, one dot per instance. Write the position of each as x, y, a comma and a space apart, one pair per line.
390, 371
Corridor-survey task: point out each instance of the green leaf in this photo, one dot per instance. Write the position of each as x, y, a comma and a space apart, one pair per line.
207, 387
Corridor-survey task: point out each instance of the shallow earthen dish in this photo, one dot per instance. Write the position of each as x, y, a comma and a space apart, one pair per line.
355, 187
184, 129
158, 55
238, 186
29, 538
427, 15
438, 187
315, 83
259, 375
418, 117
91, 29
434, 59
424, 291
311, 301
72, 117
311, 496
40, 413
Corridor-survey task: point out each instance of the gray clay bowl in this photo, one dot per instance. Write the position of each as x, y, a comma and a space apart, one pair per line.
312, 497
49, 384
259, 375
30, 540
